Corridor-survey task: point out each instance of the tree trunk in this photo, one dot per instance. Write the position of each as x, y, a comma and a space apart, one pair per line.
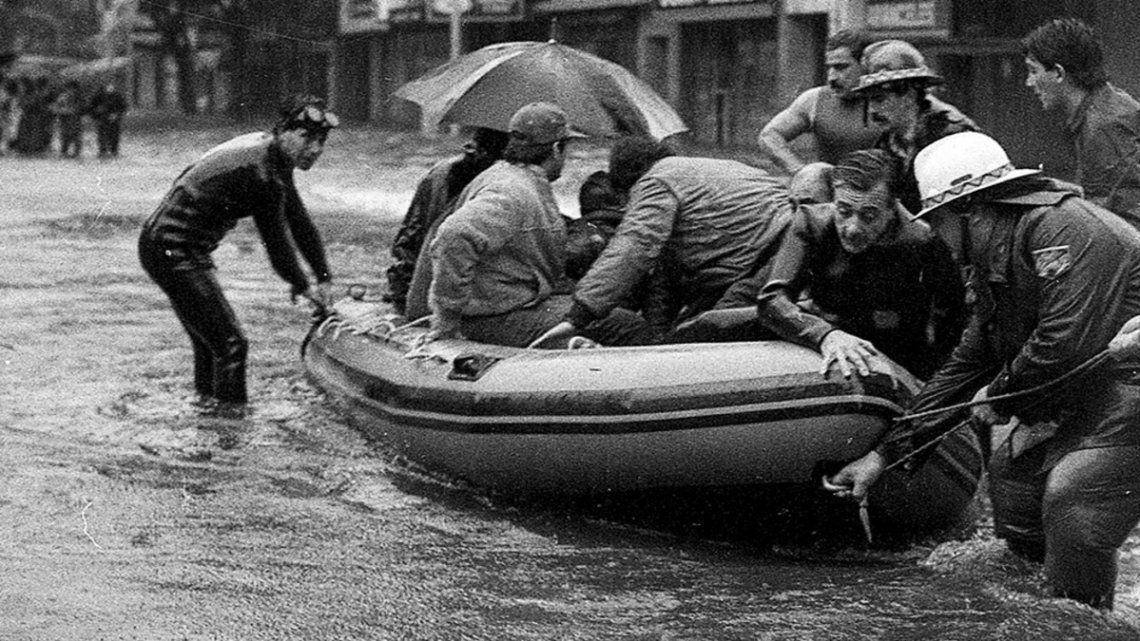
184, 59
170, 22
237, 36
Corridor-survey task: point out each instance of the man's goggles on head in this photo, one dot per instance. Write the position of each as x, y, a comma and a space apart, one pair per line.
313, 117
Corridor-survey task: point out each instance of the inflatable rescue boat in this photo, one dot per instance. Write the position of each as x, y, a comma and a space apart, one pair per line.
747, 416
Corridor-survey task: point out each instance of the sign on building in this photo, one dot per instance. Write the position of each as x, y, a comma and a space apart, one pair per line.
676, 4
907, 15
477, 9
360, 16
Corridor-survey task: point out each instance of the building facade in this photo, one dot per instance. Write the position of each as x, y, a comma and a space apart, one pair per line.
741, 59
728, 66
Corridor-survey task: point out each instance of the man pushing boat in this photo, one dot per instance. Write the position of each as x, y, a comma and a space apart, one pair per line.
1056, 276
249, 176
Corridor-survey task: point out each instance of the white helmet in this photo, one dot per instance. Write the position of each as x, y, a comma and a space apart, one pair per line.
961, 164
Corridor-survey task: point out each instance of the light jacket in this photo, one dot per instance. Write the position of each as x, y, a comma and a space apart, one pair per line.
503, 249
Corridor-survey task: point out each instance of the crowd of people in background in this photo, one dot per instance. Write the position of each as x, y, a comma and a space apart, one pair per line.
37, 112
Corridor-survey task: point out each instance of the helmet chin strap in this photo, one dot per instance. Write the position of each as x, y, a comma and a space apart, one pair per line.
964, 230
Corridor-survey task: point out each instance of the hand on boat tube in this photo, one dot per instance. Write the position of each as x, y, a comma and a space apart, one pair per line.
320, 295
443, 325
1126, 344
857, 477
556, 337
846, 351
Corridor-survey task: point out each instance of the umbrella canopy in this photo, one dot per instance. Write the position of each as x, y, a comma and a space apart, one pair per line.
485, 87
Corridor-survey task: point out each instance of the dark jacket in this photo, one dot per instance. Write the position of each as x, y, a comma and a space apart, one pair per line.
107, 106
1106, 135
247, 176
434, 199
1056, 277
892, 294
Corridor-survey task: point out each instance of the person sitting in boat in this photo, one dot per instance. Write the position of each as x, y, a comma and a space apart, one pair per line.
602, 208
878, 281
499, 260
700, 223
435, 198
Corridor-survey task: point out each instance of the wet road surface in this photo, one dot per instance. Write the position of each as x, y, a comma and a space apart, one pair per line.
127, 511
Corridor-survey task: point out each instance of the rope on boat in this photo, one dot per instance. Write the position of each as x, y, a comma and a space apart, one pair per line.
418, 321
325, 324
1068, 377
1099, 359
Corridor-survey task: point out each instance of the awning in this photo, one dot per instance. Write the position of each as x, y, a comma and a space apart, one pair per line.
563, 6
35, 66
99, 67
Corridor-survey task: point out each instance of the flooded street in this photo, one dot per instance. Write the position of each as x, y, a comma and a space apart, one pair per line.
129, 512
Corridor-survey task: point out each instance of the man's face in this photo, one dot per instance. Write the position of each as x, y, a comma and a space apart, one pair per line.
843, 70
947, 223
862, 218
557, 160
894, 111
1046, 83
302, 146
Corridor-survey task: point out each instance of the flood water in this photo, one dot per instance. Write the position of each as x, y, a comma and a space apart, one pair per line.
127, 511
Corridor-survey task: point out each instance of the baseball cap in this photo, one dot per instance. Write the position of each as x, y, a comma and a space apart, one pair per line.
541, 123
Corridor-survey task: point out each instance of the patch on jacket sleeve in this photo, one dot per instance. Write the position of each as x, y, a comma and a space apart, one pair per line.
1051, 262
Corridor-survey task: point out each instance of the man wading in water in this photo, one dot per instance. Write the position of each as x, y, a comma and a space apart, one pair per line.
1056, 277
251, 175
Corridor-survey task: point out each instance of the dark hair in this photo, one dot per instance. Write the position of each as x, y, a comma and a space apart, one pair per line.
632, 156
1070, 43
491, 142
520, 150
855, 41
597, 192
863, 169
289, 114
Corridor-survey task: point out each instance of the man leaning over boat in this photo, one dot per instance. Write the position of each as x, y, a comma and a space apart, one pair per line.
1056, 277
499, 261
878, 282
698, 224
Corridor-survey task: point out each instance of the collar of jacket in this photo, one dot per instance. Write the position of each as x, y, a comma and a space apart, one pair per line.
992, 227
278, 162
1077, 120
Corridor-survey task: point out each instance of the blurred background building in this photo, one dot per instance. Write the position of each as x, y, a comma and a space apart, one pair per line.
726, 65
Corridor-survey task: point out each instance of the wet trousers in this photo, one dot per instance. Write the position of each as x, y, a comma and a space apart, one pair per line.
190, 281
71, 135
1073, 508
520, 327
107, 132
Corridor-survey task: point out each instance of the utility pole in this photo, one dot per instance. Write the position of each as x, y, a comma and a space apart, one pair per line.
454, 10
